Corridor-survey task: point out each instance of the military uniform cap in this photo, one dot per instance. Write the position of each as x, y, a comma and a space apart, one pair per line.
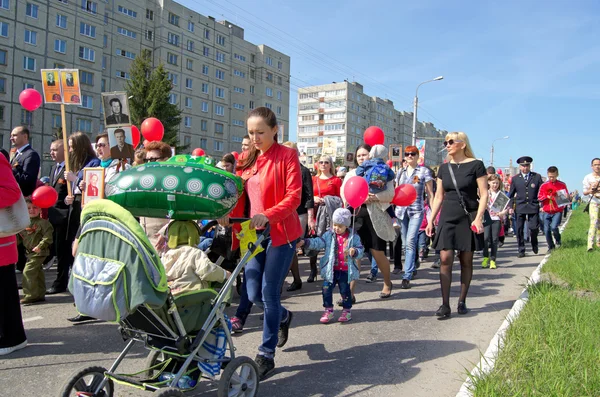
525, 160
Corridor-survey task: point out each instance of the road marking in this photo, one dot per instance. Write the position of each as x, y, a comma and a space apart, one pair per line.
36, 318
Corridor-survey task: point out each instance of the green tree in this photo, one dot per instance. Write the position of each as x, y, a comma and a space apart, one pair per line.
149, 92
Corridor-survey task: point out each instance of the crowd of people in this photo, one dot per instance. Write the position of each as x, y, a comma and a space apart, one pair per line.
460, 208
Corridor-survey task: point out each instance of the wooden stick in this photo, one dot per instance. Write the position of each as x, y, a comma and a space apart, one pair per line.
65, 144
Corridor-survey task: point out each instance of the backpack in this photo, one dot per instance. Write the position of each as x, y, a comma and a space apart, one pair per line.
378, 176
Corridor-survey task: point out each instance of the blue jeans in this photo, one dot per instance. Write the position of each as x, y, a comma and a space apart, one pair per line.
264, 276
374, 268
245, 306
205, 243
410, 234
339, 278
543, 216
422, 241
551, 224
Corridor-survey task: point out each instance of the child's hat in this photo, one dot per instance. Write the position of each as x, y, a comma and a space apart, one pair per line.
342, 216
183, 233
378, 151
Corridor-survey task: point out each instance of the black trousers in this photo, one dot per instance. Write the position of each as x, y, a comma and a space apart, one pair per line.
65, 234
533, 222
12, 332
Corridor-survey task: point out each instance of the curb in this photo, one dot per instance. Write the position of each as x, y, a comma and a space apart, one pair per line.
488, 360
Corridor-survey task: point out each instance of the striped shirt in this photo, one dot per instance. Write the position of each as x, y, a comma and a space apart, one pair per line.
418, 178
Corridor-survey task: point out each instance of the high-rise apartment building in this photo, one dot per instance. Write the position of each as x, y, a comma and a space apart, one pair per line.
217, 76
342, 111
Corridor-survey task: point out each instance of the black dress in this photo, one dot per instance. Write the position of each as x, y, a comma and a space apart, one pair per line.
454, 228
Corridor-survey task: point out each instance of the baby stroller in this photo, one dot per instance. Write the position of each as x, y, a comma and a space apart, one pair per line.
117, 276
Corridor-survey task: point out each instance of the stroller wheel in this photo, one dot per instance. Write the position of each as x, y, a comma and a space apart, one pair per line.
154, 357
169, 392
240, 378
85, 382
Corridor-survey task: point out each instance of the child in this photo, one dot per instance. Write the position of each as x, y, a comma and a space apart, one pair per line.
339, 265
492, 232
188, 268
36, 239
375, 170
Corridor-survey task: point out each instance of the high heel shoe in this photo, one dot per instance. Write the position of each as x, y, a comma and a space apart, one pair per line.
462, 308
384, 295
443, 312
313, 275
294, 286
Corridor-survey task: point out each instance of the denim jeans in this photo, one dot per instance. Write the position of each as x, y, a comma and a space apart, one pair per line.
422, 241
205, 243
339, 278
410, 234
245, 306
374, 268
551, 224
264, 276
543, 216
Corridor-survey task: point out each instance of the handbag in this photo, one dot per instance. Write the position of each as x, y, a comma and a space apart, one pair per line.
487, 219
14, 218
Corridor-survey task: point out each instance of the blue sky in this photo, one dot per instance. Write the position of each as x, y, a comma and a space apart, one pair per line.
527, 69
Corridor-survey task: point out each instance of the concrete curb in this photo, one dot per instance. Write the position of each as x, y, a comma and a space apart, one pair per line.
486, 364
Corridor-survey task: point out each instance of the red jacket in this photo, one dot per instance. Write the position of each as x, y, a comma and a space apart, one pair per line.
9, 194
547, 196
281, 191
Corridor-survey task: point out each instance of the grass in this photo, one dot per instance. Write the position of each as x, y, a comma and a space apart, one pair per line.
553, 348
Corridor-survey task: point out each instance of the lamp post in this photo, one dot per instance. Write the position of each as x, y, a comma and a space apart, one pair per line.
492, 151
416, 103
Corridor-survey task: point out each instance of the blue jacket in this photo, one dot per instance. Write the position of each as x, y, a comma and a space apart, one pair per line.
328, 242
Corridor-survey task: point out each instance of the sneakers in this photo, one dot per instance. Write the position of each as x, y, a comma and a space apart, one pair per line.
327, 316
436, 264
492, 264
7, 350
371, 278
345, 317
340, 301
266, 365
237, 325
485, 262
284, 328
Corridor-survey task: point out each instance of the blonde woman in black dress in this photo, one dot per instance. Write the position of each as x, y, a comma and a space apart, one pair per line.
456, 230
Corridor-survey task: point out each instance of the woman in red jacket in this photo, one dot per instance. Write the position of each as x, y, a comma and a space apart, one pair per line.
272, 192
12, 334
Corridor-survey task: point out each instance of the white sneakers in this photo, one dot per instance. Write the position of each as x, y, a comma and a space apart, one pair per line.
7, 350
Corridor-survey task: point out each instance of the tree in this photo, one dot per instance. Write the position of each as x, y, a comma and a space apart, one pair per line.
149, 92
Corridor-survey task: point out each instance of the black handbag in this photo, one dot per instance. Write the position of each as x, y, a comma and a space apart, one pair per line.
487, 218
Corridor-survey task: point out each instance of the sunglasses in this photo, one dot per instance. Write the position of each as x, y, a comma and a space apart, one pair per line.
323, 162
101, 145
408, 154
450, 142
152, 159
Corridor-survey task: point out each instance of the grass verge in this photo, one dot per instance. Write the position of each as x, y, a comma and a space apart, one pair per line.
553, 348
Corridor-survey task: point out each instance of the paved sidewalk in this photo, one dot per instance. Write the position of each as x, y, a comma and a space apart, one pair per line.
392, 347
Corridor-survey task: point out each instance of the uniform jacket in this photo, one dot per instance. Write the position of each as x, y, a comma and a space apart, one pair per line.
9, 194
526, 193
26, 167
328, 242
38, 234
281, 190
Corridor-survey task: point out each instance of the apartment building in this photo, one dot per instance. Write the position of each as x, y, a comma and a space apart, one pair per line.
342, 111
217, 76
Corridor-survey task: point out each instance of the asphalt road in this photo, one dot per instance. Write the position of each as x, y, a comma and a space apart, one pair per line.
392, 347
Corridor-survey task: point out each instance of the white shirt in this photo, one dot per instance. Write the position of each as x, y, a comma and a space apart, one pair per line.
588, 181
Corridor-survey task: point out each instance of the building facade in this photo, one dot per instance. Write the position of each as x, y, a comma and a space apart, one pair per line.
217, 76
342, 112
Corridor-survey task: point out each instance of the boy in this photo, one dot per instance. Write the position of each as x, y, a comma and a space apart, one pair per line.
36, 239
375, 170
548, 194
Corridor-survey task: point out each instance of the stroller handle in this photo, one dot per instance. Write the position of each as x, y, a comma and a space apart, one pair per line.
214, 223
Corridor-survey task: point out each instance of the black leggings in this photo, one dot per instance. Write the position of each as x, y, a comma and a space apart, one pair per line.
491, 238
12, 332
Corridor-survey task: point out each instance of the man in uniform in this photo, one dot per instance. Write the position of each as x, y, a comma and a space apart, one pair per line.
525, 186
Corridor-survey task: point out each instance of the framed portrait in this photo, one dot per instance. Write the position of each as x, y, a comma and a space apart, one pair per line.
349, 159
120, 140
562, 198
500, 203
69, 82
116, 109
51, 86
396, 154
94, 184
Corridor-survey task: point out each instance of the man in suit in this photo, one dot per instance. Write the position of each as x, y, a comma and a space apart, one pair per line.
25, 162
525, 186
50, 79
122, 150
59, 217
69, 80
116, 117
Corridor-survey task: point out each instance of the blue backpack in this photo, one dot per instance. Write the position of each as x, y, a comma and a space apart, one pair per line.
378, 176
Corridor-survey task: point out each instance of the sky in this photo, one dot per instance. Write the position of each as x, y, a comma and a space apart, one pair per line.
526, 69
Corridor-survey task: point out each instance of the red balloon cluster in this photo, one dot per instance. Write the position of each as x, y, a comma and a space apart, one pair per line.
153, 129
198, 152
356, 191
404, 195
135, 134
374, 136
30, 99
44, 197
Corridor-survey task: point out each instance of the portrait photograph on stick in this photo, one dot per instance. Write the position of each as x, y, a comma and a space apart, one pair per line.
120, 140
116, 108
94, 184
51, 86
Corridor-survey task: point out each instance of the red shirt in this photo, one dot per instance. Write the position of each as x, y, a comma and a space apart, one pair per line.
547, 196
326, 187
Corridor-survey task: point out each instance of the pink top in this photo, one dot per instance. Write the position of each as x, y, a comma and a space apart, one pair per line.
341, 263
253, 190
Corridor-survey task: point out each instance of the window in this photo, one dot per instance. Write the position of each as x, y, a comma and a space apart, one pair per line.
187, 121
205, 88
58, 65
207, 34
251, 104
221, 40
252, 89
171, 58
105, 41
219, 128
89, 6
103, 62
252, 74
28, 85
30, 37
127, 12
220, 92
124, 53
4, 4
173, 38
218, 146
29, 63
3, 29
86, 78
269, 61
279, 65
26, 117
83, 125
188, 83
126, 32
204, 107
252, 58
189, 64
279, 80
239, 73
238, 106
103, 85
206, 51
87, 30
220, 57
106, 18
220, 74
87, 102
149, 14
187, 140
3, 56
56, 121
239, 123
173, 99
279, 110
219, 110
123, 75
31, 10
173, 19
190, 45
190, 26
2, 85
61, 21
87, 54
240, 57
269, 76
269, 91
268, 105
279, 96
203, 142
188, 102
239, 90
205, 69
203, 125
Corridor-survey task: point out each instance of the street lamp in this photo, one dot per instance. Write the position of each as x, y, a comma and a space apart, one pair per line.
492, 151
416, 103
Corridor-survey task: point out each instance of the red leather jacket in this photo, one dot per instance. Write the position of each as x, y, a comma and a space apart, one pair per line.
9, 194
281, 191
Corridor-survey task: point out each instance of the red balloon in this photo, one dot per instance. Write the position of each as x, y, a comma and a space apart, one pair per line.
235, 155
135, 134
356, 191
404, 195
390, 163
198, 152
374, 136
30, 99
153, 129
499, 171
44, 197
